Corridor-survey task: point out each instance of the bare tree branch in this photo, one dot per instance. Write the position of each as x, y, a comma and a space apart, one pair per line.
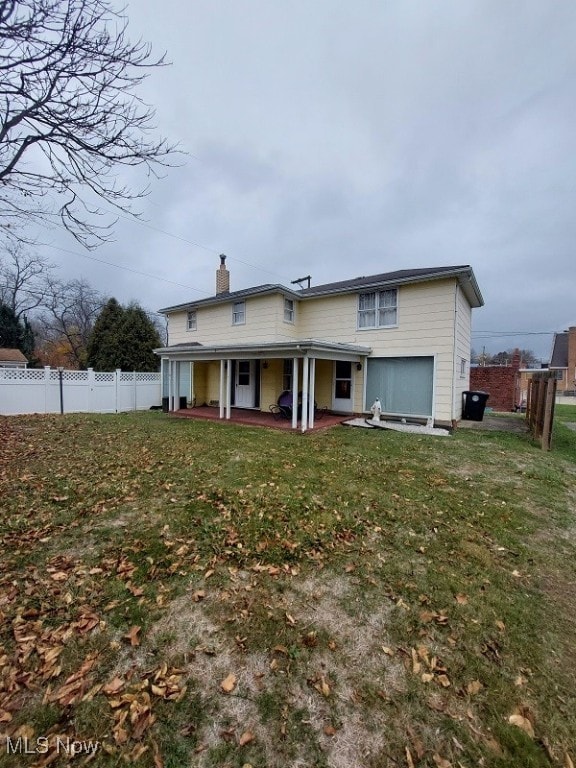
25, 280
70, 114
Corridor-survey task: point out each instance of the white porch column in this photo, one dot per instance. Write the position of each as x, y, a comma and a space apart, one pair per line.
228, 387
222, 389
295, 393
305, 375
312, 392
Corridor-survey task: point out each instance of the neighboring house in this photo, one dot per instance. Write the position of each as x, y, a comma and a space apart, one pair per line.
12, 358
563, 361
401, 336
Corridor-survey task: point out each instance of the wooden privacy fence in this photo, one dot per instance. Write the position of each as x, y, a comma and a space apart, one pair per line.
540, 407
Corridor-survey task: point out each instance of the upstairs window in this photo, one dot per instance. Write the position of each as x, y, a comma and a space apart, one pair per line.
191, 320
378, 309
288, 310
239, 313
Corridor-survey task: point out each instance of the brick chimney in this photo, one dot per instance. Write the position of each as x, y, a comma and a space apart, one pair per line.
571, 383
222, 277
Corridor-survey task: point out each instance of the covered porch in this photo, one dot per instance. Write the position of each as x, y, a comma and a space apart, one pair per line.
250, 378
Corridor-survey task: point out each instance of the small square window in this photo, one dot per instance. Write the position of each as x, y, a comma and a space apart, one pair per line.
288, 310
462, 368
239, 313
191, 320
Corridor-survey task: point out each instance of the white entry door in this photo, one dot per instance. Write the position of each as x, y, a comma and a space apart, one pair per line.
244, 384
342, 392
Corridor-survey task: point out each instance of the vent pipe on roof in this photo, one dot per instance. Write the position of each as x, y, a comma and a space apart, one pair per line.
222, 277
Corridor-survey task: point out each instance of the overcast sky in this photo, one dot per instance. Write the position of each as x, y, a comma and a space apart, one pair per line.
340, 139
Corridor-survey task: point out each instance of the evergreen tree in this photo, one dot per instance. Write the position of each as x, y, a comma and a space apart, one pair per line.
15, 333
139, 337
123, 337
104, 348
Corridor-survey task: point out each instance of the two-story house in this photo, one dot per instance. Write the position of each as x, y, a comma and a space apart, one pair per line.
402, 336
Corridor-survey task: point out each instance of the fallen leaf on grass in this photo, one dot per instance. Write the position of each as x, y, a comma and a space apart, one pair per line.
461, 599
409, 760
441, 762
246, 738
522, 722
568, 761
132, 635
474, 687
113, 687
228, 684
329, 730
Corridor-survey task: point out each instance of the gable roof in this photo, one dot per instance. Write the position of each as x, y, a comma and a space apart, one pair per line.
559, 358
463, 273
12, 356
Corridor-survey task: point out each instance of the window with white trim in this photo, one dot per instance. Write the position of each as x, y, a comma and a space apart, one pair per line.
239, 313
191, 320
288, 310
462, 368
378, 309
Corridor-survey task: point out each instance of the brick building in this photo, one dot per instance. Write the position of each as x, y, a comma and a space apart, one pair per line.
502, 382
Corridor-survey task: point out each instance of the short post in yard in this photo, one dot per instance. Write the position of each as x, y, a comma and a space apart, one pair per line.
61, 387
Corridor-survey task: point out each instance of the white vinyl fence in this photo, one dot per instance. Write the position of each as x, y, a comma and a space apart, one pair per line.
49, 390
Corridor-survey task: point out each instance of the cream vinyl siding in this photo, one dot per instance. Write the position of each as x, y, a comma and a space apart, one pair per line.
425, 328
264, 322
462, 350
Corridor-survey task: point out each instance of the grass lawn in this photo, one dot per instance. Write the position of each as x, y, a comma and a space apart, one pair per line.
196, 594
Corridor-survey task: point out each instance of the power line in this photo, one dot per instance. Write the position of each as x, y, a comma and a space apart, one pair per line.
121, 266
258, 267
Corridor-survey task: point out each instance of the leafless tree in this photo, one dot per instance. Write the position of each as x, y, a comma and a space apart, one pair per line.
63, 329
70, 114
25, 279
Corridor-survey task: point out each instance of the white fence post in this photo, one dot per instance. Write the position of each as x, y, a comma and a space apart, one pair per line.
117, 373
91, 396
46, 386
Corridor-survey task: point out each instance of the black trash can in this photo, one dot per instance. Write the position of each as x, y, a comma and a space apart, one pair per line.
165, 405
183, 402
474, 405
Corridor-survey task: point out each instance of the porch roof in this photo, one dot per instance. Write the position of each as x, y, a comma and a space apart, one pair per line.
322, 350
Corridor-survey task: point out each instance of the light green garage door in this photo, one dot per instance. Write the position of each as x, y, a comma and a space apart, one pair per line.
404, 385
